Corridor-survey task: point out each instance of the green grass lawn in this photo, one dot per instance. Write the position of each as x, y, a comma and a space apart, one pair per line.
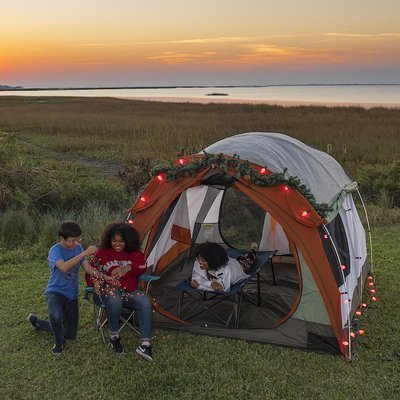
188, 366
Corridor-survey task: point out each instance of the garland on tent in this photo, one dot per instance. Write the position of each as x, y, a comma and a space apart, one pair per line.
243, 169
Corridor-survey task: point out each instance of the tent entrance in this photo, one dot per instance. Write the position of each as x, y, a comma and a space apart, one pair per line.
235, 220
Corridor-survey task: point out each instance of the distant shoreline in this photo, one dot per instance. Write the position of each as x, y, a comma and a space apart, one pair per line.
6, 88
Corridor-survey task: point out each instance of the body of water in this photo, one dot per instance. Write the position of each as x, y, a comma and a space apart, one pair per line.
364, 95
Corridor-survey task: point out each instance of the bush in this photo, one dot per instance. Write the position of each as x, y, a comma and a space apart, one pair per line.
17, 228
380, 185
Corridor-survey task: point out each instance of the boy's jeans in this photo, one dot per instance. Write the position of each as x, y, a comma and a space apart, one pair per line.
63, 315
136, 300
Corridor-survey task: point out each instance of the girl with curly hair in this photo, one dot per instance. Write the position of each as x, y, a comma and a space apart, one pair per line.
121, 259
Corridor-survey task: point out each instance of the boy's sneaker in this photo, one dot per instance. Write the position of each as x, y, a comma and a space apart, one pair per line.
145, 352
57, 350
32, 320
116, 345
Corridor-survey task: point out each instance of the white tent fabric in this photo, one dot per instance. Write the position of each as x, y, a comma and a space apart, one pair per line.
357, 247
320, 172
273, 236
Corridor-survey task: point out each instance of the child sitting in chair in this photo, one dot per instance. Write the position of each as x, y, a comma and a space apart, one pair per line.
214, 270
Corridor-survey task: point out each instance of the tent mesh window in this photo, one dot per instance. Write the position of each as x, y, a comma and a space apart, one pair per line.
241, 219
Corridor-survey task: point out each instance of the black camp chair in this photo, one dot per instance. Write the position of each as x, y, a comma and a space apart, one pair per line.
209, 299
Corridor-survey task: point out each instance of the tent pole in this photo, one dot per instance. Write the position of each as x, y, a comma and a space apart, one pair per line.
369, 230
345, 290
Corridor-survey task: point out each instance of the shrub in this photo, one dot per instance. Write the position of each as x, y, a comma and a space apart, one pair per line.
17, 228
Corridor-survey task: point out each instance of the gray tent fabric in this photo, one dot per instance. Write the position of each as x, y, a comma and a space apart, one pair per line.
320, 172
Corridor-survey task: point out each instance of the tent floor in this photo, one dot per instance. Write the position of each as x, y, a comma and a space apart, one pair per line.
276, 300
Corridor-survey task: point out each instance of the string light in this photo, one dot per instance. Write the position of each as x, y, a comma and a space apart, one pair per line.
305, 213
343, 267
284, 188
182, 161
262, 170
142, 198
161, 177
130, 221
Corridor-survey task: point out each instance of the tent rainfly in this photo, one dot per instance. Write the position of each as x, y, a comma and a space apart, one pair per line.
277, 191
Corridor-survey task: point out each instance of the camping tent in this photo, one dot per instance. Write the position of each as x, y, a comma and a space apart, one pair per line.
287, 196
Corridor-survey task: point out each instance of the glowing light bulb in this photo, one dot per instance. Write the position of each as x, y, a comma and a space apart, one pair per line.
142, 198
345, 343
371, 283
358, 313
343, 267
130, 221
161, 177
361, 332
364, 305
304, 214
326, 236
372, 291
373, 298
262, 170
182, 161
352, 334
370, 277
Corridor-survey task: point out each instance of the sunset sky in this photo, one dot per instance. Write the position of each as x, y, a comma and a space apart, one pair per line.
78, 43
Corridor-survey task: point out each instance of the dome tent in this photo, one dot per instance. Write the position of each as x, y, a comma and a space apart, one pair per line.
307, 214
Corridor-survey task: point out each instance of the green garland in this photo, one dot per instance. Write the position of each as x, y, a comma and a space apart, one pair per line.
242, 168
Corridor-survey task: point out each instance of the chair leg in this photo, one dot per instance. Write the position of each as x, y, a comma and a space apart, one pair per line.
273, 273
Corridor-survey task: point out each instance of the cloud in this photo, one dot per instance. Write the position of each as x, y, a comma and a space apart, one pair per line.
92, 45
361, 34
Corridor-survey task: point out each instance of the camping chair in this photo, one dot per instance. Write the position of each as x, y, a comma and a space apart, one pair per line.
127, 317
210, 299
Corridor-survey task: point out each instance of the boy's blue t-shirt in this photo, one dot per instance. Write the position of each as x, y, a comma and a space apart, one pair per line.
60, 282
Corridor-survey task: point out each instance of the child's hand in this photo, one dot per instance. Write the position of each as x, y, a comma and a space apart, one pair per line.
90, 250
194, 284
217, 286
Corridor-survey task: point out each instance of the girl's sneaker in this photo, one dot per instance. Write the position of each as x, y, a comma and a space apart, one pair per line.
145, 352
116, 345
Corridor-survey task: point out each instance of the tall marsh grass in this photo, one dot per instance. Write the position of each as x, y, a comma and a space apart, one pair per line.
121, 129
18, 229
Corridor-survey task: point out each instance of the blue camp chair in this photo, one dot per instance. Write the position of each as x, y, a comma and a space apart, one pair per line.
209, 299
127, 315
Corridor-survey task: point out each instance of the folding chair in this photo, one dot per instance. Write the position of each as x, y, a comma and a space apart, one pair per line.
127, 317
208, 300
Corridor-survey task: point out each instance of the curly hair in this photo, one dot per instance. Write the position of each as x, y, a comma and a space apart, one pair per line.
214, 254
129, 235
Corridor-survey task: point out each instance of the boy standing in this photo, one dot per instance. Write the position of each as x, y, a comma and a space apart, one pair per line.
62, 288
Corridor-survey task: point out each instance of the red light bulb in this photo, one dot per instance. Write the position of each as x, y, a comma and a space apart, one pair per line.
304, 214
182, 161
343, 267
371, 283
263, 171
361, 332
161, 177
130, 221
358, 313
373, 298
142, 198
345, 343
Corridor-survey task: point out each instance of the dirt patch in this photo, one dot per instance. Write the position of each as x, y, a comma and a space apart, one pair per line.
105, 168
